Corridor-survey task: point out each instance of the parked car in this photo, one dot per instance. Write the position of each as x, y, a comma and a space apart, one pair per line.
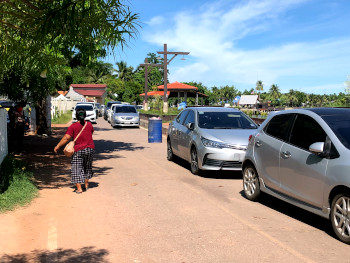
108, 106
98, 106
102, 110
302, 157
124, 116
210, 138
90, 112
110, 112
94, 104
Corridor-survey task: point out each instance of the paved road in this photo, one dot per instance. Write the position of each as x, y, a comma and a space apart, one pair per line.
142, 208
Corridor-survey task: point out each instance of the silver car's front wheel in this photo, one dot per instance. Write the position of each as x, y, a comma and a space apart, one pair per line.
340, 217
194, 161
170, 154
251, 184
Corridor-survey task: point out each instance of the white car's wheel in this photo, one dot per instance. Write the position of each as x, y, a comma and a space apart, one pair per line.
251, 185
340, 216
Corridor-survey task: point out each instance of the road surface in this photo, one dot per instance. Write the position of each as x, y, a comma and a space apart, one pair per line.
142, 208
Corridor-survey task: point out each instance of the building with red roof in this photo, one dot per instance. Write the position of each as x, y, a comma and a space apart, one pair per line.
179, 90
87, 92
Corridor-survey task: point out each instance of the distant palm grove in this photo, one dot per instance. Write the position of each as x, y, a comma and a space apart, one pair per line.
126, 83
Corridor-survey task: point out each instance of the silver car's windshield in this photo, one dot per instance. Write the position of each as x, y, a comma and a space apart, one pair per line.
126, 109
340, 124
224, 120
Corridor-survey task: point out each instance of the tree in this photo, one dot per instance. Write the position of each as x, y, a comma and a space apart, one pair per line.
259, 86
275, 92
41, 36
123, 71
293, 99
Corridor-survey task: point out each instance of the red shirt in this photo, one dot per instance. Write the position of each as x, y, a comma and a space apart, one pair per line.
85, 138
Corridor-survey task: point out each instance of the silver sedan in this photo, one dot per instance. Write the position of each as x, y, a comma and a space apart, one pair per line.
210, 138
124, 116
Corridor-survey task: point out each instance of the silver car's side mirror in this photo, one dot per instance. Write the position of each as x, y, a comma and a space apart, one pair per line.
317, 147
190, 126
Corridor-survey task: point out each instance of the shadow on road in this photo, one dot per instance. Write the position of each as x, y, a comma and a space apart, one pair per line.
296, 213
210, 174
85, 254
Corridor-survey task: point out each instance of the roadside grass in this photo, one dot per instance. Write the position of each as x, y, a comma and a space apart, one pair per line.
63, 118
16, 185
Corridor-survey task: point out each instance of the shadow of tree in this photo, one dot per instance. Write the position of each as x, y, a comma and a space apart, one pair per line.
83, 255
220, 174
295, 212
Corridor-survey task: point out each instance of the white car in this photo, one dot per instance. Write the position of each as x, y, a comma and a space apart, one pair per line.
110, 112
124, 115
90, 112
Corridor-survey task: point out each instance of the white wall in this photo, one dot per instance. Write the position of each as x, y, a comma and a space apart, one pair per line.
3, 135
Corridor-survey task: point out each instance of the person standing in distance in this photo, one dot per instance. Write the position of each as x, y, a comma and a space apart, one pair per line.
84, 150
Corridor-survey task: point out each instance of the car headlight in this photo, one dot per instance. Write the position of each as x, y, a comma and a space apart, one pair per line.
220, 145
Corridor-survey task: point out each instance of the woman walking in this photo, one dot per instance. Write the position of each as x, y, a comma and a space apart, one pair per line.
83, 150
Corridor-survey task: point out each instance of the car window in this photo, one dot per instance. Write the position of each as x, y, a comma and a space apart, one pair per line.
181, 117
340, 125
306, 131
279, 126
190, 117
224, 120
125, 109
85, 107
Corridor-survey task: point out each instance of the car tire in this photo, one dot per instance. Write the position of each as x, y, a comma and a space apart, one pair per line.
170, 153
340, 216
194, 161
251, 185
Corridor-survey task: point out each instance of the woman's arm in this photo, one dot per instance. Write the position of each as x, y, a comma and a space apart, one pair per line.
66, 138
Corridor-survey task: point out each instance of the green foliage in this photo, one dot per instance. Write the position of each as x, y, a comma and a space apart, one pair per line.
62, 118
16, 185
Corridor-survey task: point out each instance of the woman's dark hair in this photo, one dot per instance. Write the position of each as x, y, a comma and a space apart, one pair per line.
81, 115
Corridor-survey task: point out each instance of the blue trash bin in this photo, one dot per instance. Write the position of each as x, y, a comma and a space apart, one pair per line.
154, 130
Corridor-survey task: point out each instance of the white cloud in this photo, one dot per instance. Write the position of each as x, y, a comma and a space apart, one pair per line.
212, 36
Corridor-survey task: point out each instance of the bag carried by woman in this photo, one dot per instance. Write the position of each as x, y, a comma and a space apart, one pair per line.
69, 149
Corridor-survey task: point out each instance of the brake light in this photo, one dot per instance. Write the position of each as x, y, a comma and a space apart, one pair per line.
250, 137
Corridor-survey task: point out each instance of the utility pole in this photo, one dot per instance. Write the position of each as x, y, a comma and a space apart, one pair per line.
166, 62
146, 65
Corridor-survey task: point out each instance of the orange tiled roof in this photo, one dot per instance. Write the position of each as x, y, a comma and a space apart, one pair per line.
154, 93
178, 86
62, 92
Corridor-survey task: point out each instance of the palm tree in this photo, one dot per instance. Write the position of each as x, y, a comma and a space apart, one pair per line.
275, 92
124, 72
292, 97
259, 86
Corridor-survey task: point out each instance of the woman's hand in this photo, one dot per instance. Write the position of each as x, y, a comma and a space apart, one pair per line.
56, 148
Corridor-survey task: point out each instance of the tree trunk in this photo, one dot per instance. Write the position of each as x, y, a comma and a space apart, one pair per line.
43, 117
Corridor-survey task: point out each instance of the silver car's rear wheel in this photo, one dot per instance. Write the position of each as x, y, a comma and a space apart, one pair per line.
194, 161
340, 217
251, 183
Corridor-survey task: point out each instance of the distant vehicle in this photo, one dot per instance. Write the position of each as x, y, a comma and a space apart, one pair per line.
210, 138
108, 106
302, 157
102, 110
139, 107
94, 105
124, 115
90, 112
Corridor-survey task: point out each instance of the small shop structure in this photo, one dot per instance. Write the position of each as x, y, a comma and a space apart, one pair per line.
178, 90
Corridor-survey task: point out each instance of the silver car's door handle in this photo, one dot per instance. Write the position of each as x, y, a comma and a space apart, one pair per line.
258, 143
286, 154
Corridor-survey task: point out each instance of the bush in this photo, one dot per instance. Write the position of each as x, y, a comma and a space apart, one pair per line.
16, 184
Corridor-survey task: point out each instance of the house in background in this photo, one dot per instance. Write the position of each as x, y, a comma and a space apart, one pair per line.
87, 92
250, 101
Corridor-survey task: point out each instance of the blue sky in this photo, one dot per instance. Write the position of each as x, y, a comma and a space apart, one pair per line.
297, 44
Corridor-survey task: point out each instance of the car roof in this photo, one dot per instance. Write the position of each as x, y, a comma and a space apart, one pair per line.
213, 109
330, 111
